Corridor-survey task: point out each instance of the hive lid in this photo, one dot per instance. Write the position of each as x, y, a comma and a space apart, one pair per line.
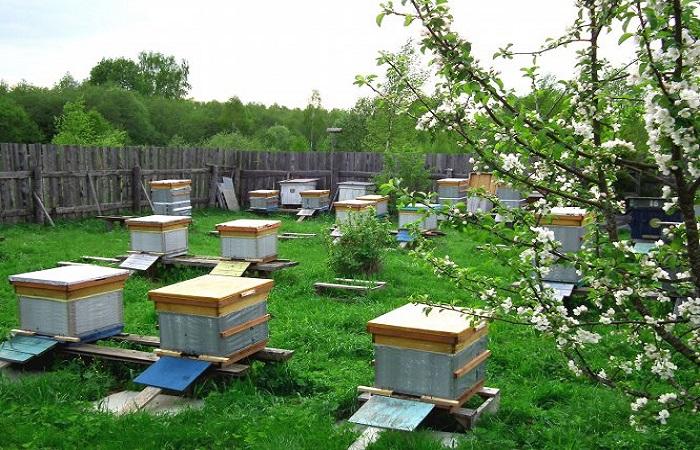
248, 225
158, 221
70, 278
352, 204
453, 181
315, 193
568, 215
263, 193
372, 198
411, 321
356, 183
419, 207
212, 288
170, 184
300, 180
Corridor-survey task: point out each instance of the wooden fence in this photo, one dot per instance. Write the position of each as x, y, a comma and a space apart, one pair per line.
72, 182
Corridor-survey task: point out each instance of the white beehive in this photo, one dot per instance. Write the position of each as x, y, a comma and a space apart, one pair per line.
346, 208
350, 190
291, 189
379, 202
249, 239
452, 187
426, 217
264, 199
315, 199
75, 301
569, 227
171, 197
160, 235
183, 208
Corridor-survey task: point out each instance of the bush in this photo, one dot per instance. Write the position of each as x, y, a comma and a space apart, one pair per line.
362, 245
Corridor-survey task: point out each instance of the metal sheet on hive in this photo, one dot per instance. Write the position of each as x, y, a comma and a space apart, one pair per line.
561, 290
20, 349
175, 374
391, 413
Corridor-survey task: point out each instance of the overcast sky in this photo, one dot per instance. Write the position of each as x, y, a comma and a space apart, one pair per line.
272, 51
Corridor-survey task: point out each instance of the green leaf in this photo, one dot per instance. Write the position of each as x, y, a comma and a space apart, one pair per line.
379, 19
408, 20
624, 37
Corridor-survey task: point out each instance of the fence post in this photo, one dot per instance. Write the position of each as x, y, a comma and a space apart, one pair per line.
213, 184
136, 189
37, 192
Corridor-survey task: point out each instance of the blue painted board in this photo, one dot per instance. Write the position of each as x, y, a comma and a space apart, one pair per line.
643, 247
20, 349
175, 374
404, 236
391, 413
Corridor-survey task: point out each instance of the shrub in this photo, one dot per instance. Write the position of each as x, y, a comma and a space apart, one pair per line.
362, 246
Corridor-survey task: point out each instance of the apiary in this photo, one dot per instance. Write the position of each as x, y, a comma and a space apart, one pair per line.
350, 190
346, 208
315, 199
75, 301
645, 209
291, 189
171, 197
264, 199
159, 234
441, 354
213, 315
249, 239
452, 187
379, 202
425, 216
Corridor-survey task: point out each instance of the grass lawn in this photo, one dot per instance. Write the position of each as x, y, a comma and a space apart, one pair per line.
297, 404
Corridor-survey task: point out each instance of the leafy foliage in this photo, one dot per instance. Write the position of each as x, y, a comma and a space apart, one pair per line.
76, 126
15, 123
362, 245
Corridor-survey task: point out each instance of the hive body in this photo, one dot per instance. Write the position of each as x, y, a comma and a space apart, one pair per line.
315, 199
568, 226
249, 239
380, 203
439, 354
171, 197
291, 190
213, 314
75, 301
350, 190
159, 234
417, 214
345, 209
645, 209
452, 187
264, 199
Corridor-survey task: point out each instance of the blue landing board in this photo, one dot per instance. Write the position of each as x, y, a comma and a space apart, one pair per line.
643, 247
175, 374
20, 349
391, 413
404, 236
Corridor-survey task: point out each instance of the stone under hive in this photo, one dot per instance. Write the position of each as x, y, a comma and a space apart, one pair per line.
159, 235
214, 315
171, 197
452, 187
379, 202
84, 302
350, 190
315, 199
345, 209
291, 190
264, 199
440, 354
569, 227
249, 239
425, 216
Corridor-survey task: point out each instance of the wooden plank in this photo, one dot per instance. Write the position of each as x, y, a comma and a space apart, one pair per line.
140, 400
471, 365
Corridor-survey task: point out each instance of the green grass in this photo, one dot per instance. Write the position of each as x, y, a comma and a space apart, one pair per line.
298, 404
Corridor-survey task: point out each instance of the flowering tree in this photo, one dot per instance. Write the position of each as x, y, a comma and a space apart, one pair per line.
626, 332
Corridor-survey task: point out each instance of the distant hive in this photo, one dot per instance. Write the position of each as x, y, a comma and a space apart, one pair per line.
425, 216
291, 190
379, 202
160, 235
264, 199
171, 197
568, 226
249, 239
84, 301
345, 209
315, 199
350, 190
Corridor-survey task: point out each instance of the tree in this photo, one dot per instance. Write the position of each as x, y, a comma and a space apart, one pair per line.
277, 137
627, 333
313, 126
76, 126
15, 123
121, 72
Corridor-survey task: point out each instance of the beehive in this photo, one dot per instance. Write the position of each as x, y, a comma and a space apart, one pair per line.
170, 190
77, 301
484, 181
568, 225
249, 239
213, 314
264, 199
439, 354
160, 235
291, 189
350, 190
645, 209
183, 208
315, 199
452, 187
417, 213
379, 202
346, 208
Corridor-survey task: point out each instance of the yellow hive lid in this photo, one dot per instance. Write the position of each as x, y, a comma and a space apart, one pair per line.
450, 326
567, 215
69, 278
454, 181
316, 193
352, 204
372, 198
248, 225
212, 289
264, 193
170, 184
158, 222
